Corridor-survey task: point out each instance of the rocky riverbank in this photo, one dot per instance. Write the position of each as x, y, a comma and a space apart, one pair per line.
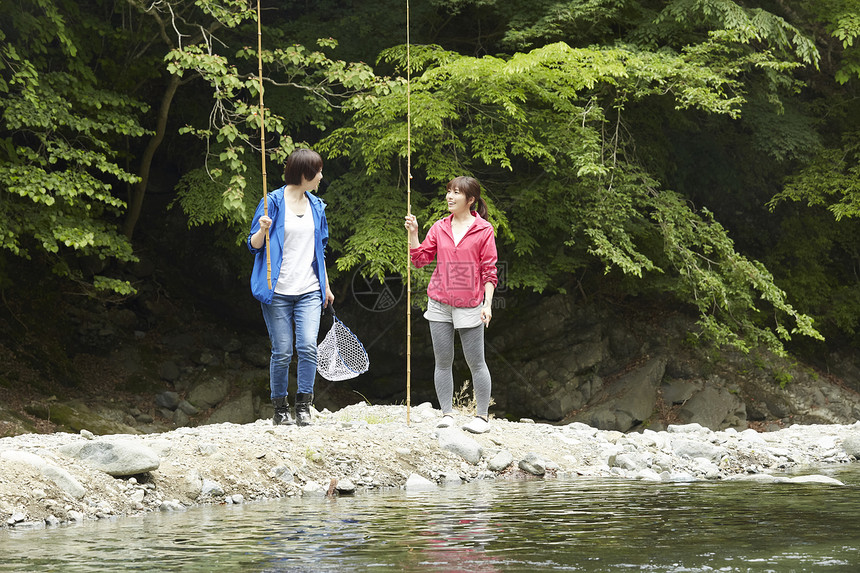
60, 478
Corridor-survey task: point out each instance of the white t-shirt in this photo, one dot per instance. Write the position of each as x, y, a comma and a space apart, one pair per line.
297, 274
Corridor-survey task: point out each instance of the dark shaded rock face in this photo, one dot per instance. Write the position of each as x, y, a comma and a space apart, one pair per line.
564, 363
551, 359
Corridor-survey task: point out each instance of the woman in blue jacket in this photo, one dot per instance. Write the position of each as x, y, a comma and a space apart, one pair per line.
300, 288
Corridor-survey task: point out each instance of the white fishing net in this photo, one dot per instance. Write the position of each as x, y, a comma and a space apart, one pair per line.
340, 355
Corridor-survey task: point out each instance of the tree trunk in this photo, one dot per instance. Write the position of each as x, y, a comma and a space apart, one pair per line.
139, 190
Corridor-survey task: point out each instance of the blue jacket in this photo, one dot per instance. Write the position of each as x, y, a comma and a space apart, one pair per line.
259, 286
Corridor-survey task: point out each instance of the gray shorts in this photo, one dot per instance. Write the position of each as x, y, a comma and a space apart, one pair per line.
460, 317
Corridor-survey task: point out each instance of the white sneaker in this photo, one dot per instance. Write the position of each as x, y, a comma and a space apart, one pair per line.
478, 425
446, 422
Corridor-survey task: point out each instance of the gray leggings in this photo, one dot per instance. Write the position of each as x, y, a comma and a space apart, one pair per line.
472, 340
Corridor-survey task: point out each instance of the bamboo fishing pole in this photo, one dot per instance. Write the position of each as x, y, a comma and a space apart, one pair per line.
408, 212
263, 143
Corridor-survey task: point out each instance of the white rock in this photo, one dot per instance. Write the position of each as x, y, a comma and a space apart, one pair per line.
417, 482
172, 505
211, 488
758, 478
647, 474
345, 486
688, 429
816, 479
117, 458
500, 461
453, 440
65, 481
313, 488
19, 456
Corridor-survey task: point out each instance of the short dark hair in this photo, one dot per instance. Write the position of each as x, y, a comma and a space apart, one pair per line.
302, 163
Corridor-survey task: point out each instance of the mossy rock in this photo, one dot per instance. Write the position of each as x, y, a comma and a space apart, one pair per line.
76, 417
11, 424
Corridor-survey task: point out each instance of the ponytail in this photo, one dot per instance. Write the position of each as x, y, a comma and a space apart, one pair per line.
480, 207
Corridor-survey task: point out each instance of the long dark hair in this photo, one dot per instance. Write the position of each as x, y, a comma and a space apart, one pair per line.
472, 189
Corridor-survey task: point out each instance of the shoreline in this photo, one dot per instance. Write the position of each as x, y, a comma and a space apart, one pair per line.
55, 479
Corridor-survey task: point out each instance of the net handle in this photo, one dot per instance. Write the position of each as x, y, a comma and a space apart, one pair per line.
330, 311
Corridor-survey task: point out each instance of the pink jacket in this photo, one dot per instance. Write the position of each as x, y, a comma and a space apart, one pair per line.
462, 270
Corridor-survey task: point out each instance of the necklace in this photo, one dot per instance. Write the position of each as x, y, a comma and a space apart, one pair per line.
297, 207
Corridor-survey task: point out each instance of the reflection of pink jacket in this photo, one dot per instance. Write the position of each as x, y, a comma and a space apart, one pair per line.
462, 270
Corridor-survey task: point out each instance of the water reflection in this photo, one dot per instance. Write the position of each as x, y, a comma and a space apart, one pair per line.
566, 525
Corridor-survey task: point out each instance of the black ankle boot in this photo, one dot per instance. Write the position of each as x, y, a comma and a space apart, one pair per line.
303, 408
282, 412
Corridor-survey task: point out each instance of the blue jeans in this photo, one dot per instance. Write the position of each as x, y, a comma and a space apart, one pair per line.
287, 313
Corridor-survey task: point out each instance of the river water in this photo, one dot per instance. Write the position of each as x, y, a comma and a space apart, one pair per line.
582, 524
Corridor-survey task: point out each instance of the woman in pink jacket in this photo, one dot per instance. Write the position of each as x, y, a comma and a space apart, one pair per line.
461, 292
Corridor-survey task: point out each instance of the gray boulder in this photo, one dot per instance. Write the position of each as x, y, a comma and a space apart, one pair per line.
714, 407
455, 441
533, 464
500, 461
627, 401
209, 393
116, 458
238, 411
65, 481
851, 445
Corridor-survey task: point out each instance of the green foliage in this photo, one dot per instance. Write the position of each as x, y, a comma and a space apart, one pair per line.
235, 126
375, 236
674, 23
538, 22
202, 198
112, 285
625, 137
743, 25
840, 20
535, 129
726, 287
817, 258
831, 179
783, 133
848, 31
59, 162
783, 378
